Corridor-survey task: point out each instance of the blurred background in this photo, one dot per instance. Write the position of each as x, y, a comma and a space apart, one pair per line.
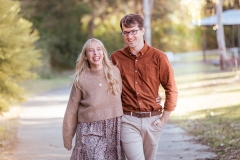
41, 39
47, 36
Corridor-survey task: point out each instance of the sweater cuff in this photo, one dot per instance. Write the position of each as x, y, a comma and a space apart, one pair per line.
68, 143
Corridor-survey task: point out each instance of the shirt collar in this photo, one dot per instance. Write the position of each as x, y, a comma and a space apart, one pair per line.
144, 49
141, 52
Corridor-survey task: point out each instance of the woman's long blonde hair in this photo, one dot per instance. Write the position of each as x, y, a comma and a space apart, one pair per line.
82, 64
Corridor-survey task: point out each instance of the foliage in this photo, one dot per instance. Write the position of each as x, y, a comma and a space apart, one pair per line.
60, 28
104, 23
172, 28
62, 41
65, 26
17, 52
8, 132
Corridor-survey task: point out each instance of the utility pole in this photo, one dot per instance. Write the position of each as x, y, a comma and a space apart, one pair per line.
147, 9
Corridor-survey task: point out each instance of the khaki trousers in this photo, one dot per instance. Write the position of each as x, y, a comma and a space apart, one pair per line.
140, 137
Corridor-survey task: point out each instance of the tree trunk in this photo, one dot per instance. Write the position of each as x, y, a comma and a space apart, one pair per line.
91, 27
220, 36
147, 7
204, 42
239, 40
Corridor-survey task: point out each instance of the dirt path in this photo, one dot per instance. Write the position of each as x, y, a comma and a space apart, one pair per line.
40, 133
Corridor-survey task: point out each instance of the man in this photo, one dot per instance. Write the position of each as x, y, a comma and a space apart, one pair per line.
143, 69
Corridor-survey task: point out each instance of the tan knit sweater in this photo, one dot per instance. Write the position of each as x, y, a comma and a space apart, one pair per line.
91, 103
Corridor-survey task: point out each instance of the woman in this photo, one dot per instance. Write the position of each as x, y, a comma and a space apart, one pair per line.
94, 108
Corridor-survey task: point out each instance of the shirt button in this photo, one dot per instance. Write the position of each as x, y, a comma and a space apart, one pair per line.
136, 60
136, 82
137, 93
135, 70
140, 103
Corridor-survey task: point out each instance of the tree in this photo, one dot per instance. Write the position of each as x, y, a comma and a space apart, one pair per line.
17, 52
64, 27
220, 35
171, 27
60, 29
103, 23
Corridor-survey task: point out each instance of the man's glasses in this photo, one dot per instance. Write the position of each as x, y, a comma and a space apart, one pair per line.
132, 32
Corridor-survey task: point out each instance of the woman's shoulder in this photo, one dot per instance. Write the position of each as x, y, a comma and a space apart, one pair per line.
116, 73
115, 69
83, 76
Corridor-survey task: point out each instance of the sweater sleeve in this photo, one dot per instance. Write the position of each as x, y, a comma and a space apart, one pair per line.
70, 119
118, 76
112, 58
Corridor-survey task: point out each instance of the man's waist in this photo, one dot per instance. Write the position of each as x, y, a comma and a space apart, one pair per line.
142, 108
143, 114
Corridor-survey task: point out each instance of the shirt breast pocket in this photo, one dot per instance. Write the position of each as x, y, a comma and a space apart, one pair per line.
151, 72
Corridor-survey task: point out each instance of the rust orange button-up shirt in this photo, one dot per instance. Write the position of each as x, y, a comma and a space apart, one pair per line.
141, 77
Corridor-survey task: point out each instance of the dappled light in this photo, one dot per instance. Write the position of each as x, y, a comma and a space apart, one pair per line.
207, 89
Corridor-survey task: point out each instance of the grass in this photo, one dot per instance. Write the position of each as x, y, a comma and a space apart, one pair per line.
203, 84
218, 128
209, 108
44, 84
7, 136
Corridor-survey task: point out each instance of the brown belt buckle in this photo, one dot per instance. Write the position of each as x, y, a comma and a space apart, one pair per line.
143, 114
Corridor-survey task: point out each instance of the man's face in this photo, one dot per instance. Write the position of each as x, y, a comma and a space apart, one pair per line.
133, 36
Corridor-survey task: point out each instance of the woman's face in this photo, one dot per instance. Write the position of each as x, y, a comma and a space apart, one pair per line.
94, 55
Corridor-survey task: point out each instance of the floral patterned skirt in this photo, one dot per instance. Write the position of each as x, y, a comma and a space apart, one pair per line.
98, 140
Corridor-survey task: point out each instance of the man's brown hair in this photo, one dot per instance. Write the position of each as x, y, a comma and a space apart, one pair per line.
130, 20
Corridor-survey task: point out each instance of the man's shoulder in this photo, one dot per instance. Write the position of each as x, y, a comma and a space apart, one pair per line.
157, 54
156, 51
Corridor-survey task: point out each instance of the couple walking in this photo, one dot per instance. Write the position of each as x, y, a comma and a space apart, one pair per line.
113, 106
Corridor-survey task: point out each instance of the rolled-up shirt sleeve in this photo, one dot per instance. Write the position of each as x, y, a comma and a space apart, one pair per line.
168, 83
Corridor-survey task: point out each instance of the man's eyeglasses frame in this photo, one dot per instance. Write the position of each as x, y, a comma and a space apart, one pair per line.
132, 32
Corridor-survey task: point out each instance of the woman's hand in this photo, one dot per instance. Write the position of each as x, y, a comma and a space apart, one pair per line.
159, 99
68, 148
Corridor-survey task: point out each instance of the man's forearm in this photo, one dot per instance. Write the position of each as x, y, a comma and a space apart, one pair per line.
165, 117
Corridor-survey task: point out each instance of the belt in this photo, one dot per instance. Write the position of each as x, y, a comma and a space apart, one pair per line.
143, 114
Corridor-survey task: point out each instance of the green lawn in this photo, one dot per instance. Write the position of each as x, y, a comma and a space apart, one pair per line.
40, 85
218, 128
